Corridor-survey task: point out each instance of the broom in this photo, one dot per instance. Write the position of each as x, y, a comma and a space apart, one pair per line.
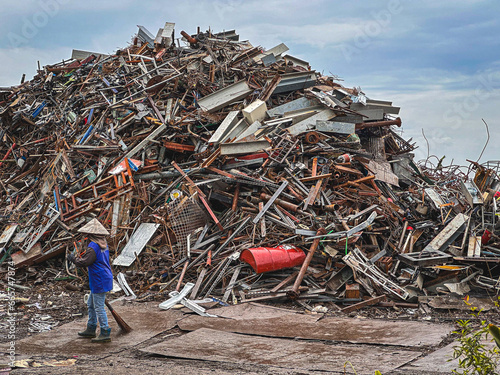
121, 323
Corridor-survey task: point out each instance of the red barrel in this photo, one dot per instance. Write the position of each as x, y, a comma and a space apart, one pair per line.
265, 259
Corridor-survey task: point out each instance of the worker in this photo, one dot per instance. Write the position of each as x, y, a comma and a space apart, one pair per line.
96, 259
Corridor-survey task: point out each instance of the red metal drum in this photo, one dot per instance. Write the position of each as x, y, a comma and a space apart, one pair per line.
265, 259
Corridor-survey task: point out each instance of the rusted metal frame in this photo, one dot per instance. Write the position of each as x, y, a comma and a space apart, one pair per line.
278, 156
101, 183
294, 292
89, 206
110, 194
120, 192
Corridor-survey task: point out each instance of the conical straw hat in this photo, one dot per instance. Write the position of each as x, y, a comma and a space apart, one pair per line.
93, 227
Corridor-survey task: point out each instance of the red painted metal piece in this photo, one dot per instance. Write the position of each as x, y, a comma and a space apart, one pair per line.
486, 237
265, 259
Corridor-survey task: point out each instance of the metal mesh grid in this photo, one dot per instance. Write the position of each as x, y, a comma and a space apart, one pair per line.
185, 217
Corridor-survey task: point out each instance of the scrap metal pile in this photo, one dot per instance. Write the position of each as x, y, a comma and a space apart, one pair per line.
232, 172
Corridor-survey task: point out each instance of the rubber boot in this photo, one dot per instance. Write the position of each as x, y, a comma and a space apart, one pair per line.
104, 336
89, 332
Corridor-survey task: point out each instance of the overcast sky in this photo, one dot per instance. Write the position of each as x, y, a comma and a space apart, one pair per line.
437, 60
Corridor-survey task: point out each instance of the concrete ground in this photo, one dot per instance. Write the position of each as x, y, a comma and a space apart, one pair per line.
245, 339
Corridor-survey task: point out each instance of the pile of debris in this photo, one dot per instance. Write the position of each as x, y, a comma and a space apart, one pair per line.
235, 173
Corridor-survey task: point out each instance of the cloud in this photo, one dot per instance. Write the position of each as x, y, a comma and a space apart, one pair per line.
428, 57
450, 118
17, 61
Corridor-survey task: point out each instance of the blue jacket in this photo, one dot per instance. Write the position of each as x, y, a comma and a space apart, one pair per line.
100, 274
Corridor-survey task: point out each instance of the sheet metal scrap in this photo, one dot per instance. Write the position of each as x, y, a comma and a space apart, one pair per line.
221, 146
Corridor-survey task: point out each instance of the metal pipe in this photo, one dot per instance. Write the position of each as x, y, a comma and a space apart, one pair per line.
189, 38
295, 194
235, 198
252, 199
280, 202
377, 124
294, 293
156, 175
184, 269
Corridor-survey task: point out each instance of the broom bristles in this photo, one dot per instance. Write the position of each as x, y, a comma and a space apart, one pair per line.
121, 323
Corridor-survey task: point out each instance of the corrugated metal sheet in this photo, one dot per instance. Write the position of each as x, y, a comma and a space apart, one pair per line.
136, 244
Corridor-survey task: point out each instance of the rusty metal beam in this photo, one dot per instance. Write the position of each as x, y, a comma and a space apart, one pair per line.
294, 293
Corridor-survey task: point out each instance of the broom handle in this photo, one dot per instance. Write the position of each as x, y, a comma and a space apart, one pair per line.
109, 306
